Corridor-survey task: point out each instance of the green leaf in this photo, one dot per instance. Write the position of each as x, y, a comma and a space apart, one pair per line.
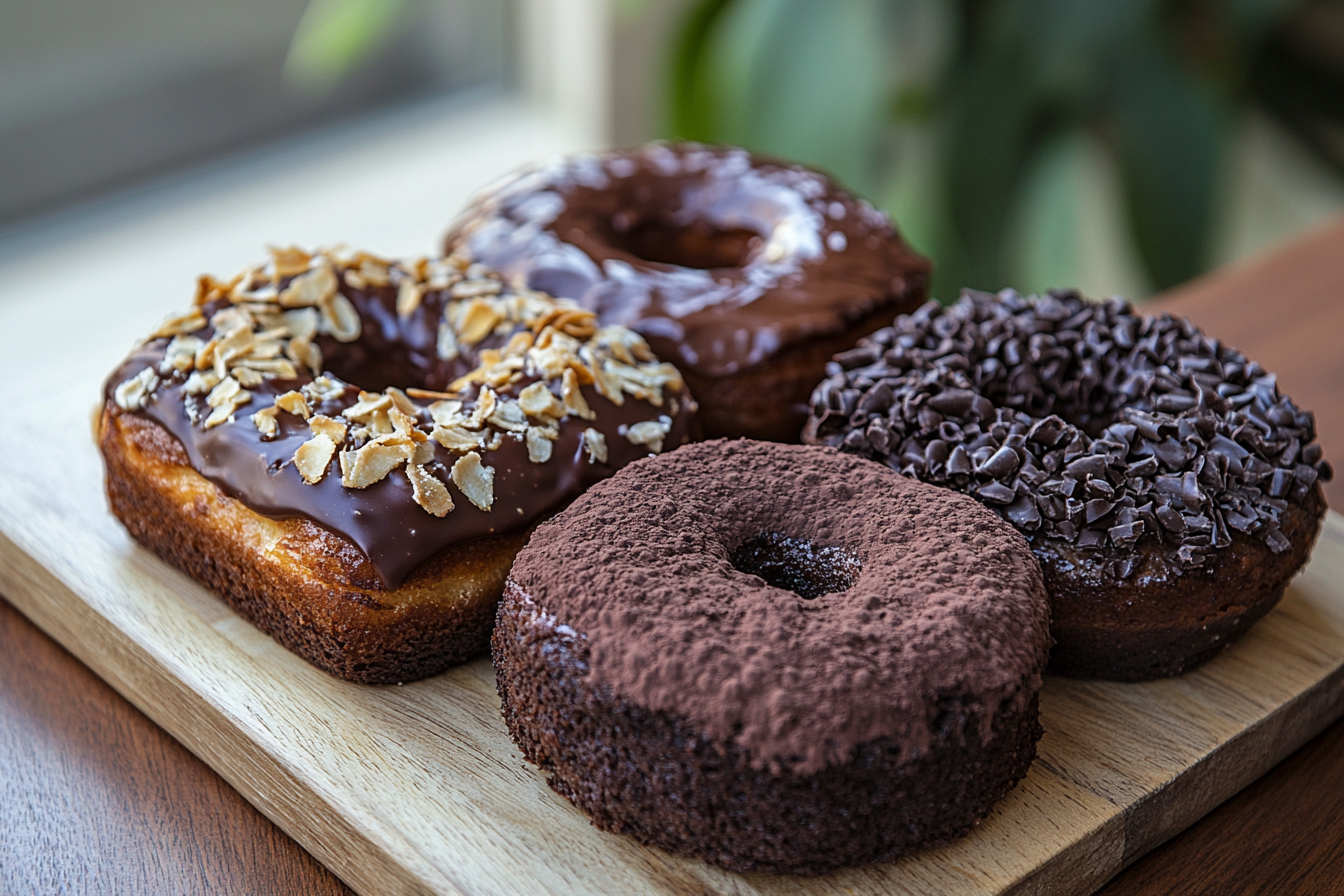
1045, 238
692, 104
333, 37
803, 80
1170, 135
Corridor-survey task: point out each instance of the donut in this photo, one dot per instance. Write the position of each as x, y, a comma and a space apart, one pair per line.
774, 657
1166, 486
351, 450
747, 273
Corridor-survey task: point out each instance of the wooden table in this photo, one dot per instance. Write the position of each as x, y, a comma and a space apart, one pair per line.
95, 798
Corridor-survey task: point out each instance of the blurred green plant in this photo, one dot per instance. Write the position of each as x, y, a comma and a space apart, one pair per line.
969, 119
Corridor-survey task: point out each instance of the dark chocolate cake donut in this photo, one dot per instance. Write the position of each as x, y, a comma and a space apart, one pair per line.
773, 657
748, 274
1168, 489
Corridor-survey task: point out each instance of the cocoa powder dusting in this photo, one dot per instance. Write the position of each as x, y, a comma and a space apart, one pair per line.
947, 602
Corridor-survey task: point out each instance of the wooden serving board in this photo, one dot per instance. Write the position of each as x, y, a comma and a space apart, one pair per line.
417, 788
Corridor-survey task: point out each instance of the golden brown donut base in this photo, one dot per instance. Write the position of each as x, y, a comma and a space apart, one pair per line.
1167, 626
768, 401
311, 590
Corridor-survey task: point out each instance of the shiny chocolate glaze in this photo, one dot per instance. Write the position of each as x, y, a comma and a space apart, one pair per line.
719, 259
383, 520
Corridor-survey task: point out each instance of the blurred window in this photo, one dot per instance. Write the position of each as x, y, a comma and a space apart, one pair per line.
96, 94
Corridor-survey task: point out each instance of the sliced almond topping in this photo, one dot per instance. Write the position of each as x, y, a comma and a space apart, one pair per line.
427, 394
201, 382
266, 423
475, 479
470, 288
225, 402
428, 491
650, 433
324, 389
362, 468
307, 353
456, 438
248, 377
409, 296
509, 416
576, 322
404, 425
518, 345
596, 443
447, 346
294, 403
477, 322
401, 402
446, 413
374, 271
538, 401
133, 394
205, 355
311, 288
322, 425
339, 318
538, 445
272, 367
208, 289
608, 385
369, 403
289, 260
181, 353
574, 401
302, 323
223, 392
485, 406
312, 457
180, 324
424, 452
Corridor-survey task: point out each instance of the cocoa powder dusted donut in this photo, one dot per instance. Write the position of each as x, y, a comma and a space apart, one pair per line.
369, 527
747, 273
774, 657
1168, 489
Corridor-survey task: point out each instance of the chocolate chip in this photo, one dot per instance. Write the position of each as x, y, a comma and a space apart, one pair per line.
996, 493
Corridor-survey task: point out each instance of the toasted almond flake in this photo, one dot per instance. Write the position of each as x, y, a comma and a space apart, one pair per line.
133, 394
485, 406
446, 348
508, 416
266, 423
427, 394
302, 323
322, 425
576, 322
312, 457
324, 389
428, 491
181, 353
401, 402
538, 401
307, 353
223, 392
608, 384
650, 433
289, 260
446, 413
340, 319
456, 438
471, 288
201, 382
208, 289
477, 321
538, 445
310, 288
572, 395
224, 411
374, 270
294, 403
271, 367
475, 479
180, 324
369, 403
362, 468
409, 296
424, 452
353, 279
596, 443
518, 344
248, 377
205, 355
404, 425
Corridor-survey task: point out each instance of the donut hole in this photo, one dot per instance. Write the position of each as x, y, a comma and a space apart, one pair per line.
697, 244
797, 565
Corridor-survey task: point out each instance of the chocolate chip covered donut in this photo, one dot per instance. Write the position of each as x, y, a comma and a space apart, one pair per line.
1167, 487
351, 450
773, 657
747, 273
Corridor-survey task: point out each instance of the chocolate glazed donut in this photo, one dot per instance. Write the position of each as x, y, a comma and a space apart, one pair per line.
370, 531
1168, 489
747, 273
774, 657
